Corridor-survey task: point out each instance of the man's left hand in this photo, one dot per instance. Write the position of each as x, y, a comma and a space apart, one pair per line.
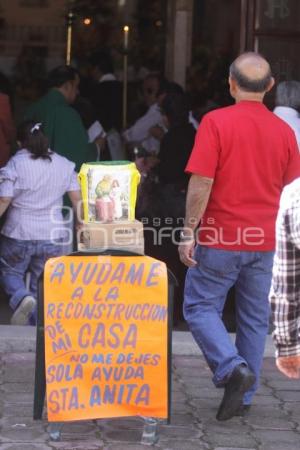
289, 365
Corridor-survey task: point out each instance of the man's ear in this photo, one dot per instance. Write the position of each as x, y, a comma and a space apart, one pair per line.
271, 84
232, 82
232, 85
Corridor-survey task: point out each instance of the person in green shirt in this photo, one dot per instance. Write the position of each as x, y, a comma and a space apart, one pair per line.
61, 123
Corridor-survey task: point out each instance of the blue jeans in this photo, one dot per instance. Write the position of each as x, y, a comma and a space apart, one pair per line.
18, 257
206, 288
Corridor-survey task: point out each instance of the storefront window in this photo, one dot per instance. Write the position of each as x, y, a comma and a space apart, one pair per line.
278, 15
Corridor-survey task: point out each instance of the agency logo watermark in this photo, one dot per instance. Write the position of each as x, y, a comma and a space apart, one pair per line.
158, 231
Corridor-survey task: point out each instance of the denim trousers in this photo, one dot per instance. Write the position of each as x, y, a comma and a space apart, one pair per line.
206, 288
18, 257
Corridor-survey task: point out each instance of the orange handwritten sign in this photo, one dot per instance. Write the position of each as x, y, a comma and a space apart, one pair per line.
105, 337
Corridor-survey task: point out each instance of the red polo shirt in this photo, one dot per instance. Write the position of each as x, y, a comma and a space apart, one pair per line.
251, 154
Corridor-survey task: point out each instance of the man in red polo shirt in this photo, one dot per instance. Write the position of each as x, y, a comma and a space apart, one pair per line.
242, 158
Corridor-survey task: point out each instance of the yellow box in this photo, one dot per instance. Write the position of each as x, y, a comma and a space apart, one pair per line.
109, 190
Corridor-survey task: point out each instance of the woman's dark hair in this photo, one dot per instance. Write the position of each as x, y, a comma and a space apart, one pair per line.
31, 137
176, 108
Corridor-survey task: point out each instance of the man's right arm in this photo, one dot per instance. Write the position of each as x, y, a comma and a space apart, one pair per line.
141, 128
202, 164
197, 198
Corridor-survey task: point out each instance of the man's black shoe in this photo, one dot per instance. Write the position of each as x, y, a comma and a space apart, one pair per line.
243, 410
239, 382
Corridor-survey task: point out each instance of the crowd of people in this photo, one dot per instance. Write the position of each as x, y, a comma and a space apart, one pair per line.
225, 169
88, 127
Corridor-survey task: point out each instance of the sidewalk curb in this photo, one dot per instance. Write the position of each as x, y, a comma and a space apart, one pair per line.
21, 339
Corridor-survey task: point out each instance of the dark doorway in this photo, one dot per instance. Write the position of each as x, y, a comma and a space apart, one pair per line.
215, 43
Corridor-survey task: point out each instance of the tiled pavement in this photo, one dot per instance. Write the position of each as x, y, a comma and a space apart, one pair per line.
273, 423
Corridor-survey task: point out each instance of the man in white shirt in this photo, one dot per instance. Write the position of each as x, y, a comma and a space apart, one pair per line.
288, 105
149, 129
139, 132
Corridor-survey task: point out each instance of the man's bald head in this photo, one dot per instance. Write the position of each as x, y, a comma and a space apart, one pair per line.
251, 72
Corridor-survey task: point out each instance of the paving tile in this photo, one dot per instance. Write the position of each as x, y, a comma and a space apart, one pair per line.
179, 396
22, 446
277, 437
177, 407
16, 374
188, 372
204, 392
266, 400
240, 439
81, 438
203, 403
19, 398
177, 386
273, 376
182, 420
19, 421
121, 423
82, 427
194, 380
233, 448
126, 446
292, 408
269, 364
232, 427
286, 384
23, 434
17, 358
289, 396
18, 387
278, 446
184, 445
78, 445
172, 432
264, 390
122, 435
262, 411
269, 423
17, 410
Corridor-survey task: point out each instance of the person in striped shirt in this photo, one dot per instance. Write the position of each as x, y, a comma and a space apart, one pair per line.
32, 185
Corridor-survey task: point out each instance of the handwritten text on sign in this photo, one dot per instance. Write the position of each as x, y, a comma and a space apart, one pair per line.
105, 337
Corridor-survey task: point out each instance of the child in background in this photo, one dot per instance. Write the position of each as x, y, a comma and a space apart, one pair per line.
32, 185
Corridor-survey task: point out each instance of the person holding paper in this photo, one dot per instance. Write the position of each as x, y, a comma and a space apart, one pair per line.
62, 124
